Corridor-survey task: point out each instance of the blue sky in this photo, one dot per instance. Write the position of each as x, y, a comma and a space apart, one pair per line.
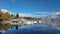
31, 7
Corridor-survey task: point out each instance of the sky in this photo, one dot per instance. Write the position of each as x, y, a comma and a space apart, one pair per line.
36, 8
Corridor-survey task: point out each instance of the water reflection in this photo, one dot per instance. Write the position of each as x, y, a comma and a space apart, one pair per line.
0, 33
16, 27
33, 29
4, 27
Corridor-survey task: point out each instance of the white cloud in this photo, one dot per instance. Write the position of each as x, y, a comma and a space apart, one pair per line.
57, 12
25, 15
41, 12
4, 11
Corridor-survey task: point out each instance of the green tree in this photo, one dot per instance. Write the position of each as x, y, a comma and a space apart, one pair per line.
17, 15
28, 18
12, 16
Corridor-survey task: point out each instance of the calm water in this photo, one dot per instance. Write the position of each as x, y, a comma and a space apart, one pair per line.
33, 29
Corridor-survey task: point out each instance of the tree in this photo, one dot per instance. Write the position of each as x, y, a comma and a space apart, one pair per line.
6, 16
28, 18
0, 13
1, 19
12, 16
17, 15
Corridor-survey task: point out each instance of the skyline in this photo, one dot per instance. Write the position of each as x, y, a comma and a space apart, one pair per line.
34, 8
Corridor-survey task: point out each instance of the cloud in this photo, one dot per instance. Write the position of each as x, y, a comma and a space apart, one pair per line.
57, 12
41, 12
24, 15
5, 11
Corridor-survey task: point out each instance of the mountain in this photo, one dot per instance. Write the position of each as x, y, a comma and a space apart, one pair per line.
53, 20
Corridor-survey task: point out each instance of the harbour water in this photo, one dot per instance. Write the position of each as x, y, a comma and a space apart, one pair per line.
33, 29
